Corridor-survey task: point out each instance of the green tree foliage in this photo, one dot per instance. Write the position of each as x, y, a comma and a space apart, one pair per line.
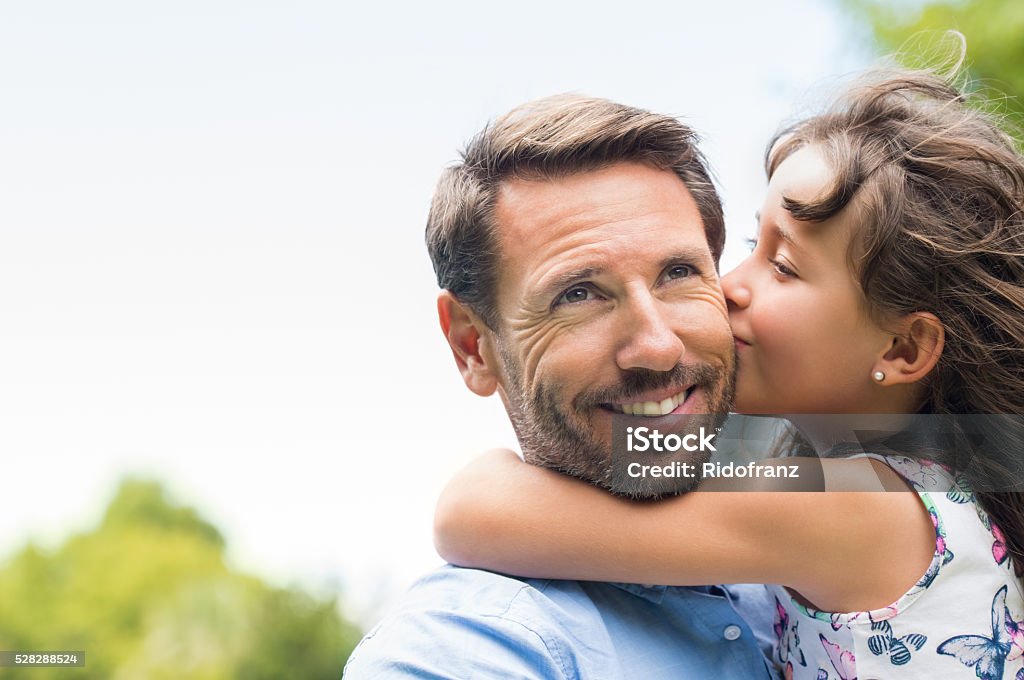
994, 30
148, 595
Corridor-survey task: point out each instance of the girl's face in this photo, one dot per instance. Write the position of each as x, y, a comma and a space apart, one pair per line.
803, 336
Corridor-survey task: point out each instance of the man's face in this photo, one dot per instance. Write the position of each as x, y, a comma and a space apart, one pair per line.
609, 302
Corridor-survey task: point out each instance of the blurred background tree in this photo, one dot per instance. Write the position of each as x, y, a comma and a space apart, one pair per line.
994, 30
147, 594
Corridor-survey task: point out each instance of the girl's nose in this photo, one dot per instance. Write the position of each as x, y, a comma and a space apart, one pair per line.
734, 285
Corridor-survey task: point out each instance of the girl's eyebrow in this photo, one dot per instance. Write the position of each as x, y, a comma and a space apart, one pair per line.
783, 234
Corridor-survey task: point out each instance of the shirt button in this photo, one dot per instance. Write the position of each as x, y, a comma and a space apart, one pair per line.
732, 633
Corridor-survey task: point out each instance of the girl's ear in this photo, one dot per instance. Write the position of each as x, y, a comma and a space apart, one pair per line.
914, 351
467, 336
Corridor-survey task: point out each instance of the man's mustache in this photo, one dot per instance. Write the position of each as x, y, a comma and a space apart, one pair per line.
637, 381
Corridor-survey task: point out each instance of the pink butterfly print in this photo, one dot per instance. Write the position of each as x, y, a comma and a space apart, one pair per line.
781, 619
999, 552
940, 539
843, 661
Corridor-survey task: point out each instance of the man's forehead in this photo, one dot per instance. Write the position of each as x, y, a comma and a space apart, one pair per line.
536, 210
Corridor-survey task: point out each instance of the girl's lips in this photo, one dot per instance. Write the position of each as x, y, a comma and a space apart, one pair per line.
740, 342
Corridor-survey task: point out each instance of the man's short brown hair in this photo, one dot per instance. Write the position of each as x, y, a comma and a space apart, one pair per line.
546, 139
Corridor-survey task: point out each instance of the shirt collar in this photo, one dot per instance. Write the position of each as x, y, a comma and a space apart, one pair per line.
656, 594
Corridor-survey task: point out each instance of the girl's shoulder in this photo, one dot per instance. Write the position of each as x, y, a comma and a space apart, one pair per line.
921, 474
947, 640
966, 611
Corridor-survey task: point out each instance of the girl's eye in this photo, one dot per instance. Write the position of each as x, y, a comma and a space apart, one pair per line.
751, 243
576, 294
781, 269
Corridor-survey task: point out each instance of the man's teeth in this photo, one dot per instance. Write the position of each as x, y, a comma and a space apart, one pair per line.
653, 408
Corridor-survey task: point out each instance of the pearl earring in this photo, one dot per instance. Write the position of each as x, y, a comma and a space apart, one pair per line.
878, 376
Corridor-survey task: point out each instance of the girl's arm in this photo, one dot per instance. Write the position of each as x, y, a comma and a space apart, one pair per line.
842, 550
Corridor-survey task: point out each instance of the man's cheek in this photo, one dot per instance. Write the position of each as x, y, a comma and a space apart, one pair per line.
707, 330
543, 346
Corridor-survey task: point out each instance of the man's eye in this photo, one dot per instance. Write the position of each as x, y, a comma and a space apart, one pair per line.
679, 271
576, 294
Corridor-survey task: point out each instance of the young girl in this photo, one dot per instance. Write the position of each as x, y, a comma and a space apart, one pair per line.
888, 278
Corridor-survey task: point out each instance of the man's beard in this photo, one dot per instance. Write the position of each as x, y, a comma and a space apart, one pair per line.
565, 441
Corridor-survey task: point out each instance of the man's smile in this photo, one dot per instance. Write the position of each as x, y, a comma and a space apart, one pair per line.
653, 404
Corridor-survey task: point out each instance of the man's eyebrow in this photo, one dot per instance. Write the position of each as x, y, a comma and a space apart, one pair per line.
692, 255
566, 279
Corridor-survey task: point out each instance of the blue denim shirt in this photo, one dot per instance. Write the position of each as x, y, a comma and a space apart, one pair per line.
468, 623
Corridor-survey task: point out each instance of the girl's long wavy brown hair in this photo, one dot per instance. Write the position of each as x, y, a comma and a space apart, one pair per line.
938, 192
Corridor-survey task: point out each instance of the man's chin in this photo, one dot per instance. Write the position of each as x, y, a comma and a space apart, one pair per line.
593, 468
607, 477
650, 488
653, 457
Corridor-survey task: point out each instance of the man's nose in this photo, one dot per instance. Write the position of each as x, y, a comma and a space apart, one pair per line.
736, 289
650, 341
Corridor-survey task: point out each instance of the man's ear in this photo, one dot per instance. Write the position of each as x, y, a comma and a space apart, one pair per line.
466, 333
913, 353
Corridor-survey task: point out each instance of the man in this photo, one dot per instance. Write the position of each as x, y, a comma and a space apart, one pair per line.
577, 245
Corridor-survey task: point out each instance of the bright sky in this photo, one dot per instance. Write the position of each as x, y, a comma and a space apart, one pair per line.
211, 219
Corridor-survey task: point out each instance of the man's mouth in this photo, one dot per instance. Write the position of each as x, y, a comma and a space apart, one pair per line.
653, 408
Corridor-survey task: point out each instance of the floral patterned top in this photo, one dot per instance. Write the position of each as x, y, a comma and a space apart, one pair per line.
963, 619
